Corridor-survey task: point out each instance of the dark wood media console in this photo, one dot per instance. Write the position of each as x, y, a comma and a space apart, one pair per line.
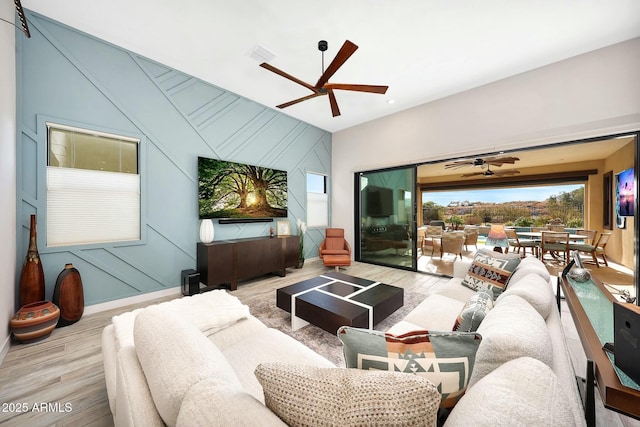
226, 262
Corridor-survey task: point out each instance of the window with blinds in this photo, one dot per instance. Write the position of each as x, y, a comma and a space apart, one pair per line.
317, 200
93, 187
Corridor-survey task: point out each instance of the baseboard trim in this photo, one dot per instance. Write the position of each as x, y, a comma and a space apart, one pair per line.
110, 305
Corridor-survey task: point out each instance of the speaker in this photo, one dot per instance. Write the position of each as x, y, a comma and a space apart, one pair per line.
190, 282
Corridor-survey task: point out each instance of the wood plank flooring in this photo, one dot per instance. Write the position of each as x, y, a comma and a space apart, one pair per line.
65, 371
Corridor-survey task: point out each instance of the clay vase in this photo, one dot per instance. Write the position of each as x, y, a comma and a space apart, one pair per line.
68, 295
34, 321
31, 287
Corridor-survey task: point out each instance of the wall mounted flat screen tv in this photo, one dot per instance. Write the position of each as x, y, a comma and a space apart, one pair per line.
240, 191
378, 201
625, 193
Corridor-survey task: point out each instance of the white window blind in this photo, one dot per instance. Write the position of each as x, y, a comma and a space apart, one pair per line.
317, 200
89, 206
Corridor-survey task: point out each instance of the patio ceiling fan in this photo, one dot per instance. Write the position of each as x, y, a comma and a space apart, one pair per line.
322, 86
489, 172
480, 161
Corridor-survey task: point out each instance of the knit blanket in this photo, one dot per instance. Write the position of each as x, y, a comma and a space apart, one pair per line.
210, 312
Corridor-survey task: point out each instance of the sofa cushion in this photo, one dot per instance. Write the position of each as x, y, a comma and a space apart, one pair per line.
435, 313
174, 356
302, 396
492, 270
522, 392
512, 329
474, 311
210, 403
444, 358
535, 290
268, 345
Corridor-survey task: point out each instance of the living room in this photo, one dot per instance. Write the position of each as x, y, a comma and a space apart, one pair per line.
70, 78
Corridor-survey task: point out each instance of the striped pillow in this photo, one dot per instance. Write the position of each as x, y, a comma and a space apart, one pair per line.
491, 270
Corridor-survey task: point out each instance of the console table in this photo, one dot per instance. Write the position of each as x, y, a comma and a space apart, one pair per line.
225, 262
591, 307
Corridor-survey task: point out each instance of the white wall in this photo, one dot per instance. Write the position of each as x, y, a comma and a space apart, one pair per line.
594, 94
7, 176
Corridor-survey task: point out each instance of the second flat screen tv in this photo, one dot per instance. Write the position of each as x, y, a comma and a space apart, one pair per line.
625, 193
238, 190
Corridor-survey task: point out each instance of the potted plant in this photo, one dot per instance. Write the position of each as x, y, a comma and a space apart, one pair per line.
302, 228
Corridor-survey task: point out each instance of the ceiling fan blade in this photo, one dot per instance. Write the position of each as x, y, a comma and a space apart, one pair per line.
357, 88
347, 49
287, 76
473, 174
458, 164
295, 101
507, 172
499, 161
334, 103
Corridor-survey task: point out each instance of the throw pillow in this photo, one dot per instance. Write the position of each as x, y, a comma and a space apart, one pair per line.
522, 392
306, 395
492, 270
444, 358
474, 311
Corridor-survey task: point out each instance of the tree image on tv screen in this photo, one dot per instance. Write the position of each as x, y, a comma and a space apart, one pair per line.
235, 190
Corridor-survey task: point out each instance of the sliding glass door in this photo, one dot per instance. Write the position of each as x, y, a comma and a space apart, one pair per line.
386, 217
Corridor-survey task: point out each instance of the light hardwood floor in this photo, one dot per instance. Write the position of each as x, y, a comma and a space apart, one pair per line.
65, 372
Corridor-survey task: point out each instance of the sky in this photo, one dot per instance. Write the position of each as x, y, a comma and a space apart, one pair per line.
499, 195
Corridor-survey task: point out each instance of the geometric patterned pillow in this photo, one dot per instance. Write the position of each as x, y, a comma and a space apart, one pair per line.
491, 270
444, 358
474, 311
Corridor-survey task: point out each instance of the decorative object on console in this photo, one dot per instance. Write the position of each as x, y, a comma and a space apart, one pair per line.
35, 321
272, 232
68, 295
206, 231
31, 287
284, 228
302, 228
497, 237
415, 353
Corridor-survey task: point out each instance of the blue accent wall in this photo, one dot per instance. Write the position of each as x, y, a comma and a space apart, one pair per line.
70, 77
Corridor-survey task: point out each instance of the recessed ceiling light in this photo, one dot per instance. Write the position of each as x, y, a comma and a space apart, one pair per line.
391, 101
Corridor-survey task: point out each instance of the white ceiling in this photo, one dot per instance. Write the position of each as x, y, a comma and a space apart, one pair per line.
422, 49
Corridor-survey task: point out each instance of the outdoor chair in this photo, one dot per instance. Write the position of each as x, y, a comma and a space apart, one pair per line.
517, 244
554, 243
470, 237
432, 233
422, 232
591, 236
452, 243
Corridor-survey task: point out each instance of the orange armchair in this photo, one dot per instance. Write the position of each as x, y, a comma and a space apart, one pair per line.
334, 251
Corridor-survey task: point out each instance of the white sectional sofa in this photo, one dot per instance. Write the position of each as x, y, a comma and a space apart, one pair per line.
165, 365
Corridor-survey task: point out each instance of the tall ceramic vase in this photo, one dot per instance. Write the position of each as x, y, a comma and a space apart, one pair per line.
68, 295
206, 231
31, 287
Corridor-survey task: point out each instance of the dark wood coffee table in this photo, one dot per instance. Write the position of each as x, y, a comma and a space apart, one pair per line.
336, 299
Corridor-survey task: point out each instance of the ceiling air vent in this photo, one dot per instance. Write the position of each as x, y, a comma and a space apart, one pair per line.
261, 54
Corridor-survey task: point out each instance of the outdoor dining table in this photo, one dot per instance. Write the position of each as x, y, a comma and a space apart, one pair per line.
538, 235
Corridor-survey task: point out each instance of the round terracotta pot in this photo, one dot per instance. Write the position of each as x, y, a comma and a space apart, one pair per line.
35, 321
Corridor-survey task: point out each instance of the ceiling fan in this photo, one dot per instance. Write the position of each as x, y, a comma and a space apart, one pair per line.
493, 161
489, 172
323, 87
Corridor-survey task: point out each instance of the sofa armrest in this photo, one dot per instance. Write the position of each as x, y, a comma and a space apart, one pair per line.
134, 403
